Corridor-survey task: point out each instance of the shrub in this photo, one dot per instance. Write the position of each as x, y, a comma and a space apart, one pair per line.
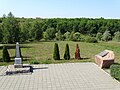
115, 71
99, 36
117, 36
42, 40
50, 33
34, 62
67, 54
67, 35
106, 36
91, 40
71, 36
59, 36
31, 40
6, 57
56, 55
46, 61
76, 36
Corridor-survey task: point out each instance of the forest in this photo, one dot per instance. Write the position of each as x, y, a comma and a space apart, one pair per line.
14, 29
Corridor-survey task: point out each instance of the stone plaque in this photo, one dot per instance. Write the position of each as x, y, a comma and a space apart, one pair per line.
104, 53
18, 61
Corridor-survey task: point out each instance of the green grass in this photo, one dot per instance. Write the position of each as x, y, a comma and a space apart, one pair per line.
43, 51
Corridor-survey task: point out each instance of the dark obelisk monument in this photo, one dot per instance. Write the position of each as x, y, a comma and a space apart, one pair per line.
18, 58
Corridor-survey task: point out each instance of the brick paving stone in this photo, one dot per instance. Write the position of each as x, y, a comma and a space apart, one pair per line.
67, 76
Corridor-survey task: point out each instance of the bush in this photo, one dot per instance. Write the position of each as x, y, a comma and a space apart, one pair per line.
56, 55
67, 36
91, 40
6, 57
117, 36
99, 36
115, 71
34, 62
106, 36
42, 40
67, 53
71, 36
59, 36
50, 34
31, 40
76, 36
46, 61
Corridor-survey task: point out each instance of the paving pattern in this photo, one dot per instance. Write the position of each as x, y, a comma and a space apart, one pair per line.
67, 76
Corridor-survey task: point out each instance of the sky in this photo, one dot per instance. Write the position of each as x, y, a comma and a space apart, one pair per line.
61, 8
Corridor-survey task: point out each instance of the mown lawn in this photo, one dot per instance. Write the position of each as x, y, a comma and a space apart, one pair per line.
42, 52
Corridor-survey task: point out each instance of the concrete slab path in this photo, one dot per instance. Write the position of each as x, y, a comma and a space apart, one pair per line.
67, 76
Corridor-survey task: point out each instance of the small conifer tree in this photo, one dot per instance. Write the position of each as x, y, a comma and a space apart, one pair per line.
99, 36
117, 36
77, 53
67, 53
56, 55
106, 36
6, 57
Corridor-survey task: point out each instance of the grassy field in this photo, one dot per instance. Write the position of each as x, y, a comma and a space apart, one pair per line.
42, 52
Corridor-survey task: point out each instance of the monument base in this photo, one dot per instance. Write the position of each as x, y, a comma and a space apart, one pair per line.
18, 63
18, 66
12, 70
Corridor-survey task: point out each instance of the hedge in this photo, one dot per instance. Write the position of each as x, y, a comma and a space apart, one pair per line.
115, 71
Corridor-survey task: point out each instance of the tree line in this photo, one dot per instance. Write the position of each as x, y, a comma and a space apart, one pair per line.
14, 29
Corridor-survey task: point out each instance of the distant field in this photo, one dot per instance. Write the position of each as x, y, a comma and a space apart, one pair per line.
41, 51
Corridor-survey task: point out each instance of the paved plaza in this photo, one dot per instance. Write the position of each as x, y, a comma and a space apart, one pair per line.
67, 76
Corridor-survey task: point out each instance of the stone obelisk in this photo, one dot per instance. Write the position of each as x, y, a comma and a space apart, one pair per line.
18, 58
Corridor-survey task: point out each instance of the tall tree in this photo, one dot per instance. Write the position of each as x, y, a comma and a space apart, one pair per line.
30, 28
50, 33
10, 29
1, 34
37, 30
25, 29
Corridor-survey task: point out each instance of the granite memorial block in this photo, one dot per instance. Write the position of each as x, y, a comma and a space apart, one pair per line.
105, 58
